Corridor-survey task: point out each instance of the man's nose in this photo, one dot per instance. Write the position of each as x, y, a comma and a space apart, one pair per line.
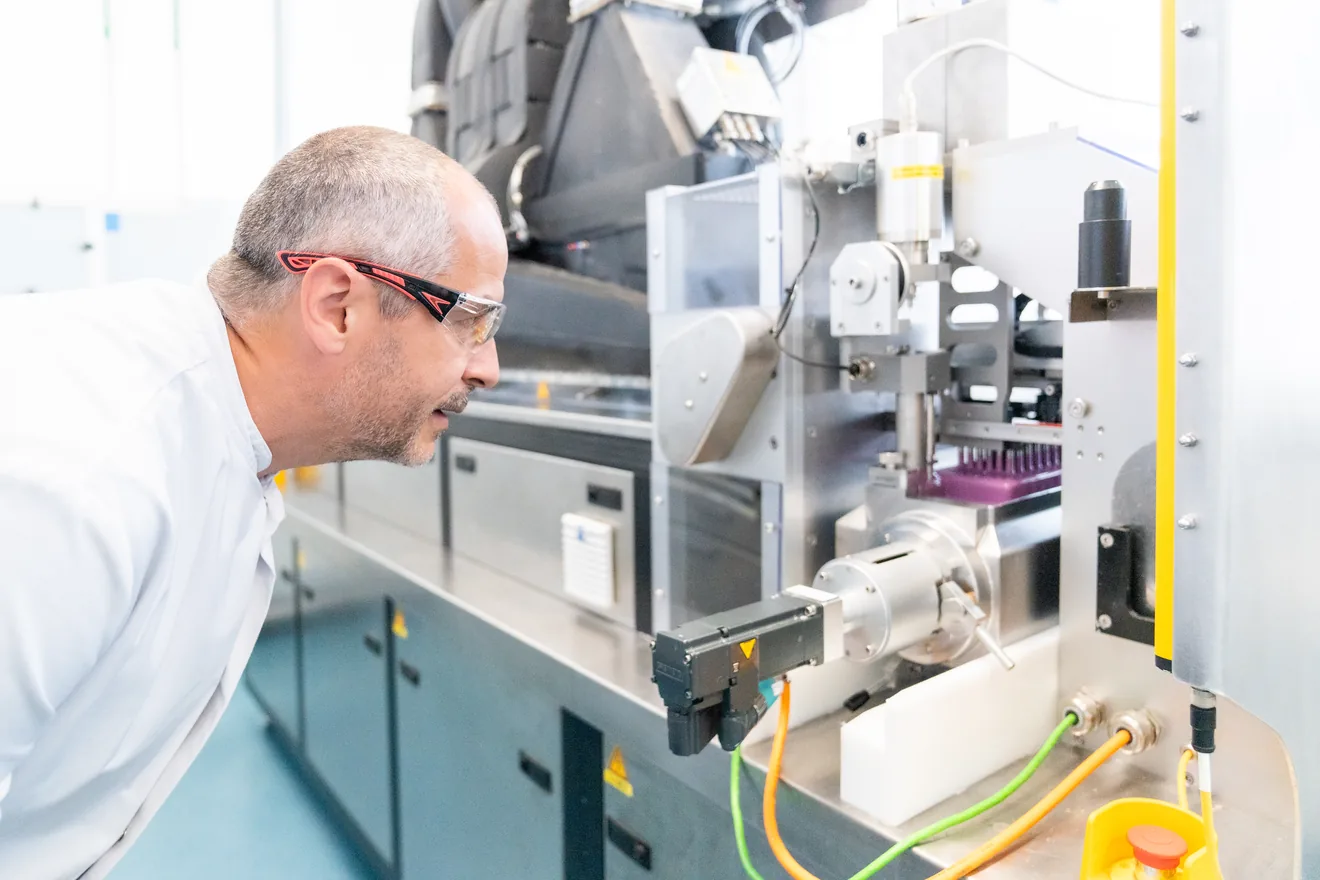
483, 368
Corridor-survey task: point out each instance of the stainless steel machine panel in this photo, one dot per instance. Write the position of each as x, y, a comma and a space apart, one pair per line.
344, 682
507, 503
408, 498
479, 747
272, 671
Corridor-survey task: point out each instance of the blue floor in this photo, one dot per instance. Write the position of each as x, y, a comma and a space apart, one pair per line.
241, 811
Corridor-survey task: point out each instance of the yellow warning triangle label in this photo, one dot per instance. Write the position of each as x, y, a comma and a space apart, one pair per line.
747, 647
400, 625
616, 773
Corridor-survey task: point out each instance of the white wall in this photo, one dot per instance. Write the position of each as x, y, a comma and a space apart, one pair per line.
150, 102
167, 113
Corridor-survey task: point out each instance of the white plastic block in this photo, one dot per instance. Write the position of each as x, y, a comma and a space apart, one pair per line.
938, 738
588, 551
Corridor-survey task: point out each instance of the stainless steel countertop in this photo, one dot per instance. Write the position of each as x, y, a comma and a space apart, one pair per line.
619, 659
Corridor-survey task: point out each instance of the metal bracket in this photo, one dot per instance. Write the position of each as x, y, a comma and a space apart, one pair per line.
1112, 304
1115, 576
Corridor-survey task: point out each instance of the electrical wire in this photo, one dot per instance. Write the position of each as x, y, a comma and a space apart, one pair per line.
791, 292
1000, 843
735, 807
768, 818
751, 20
1183, 763
908, 121
920, 837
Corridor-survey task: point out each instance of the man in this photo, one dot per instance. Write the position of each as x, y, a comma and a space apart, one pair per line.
140, 427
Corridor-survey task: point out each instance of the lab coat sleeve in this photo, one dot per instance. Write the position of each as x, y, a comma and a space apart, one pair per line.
68, 579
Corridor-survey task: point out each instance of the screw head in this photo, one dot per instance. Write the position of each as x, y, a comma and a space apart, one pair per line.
655, 254
1051, 390
855, 283
1190, 29
769, 528
1106, 540
1078, 408
1104, 621
1188, 440
1191, 114
702, 376
687, 403
969, 247
1189, 359
1187, 521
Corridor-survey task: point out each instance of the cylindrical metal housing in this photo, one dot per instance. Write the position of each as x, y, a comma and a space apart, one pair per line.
1104, 237
890, 598
913, 430
910, 174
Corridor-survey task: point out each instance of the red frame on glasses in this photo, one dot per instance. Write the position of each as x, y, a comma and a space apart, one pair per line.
436, 299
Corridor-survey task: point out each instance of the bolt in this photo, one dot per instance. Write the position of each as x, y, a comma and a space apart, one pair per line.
687, 694
769, 528
1106, 540
1078, 408
855, 283
688, 404
810, 611
1191, 114
1099, 456
969, 247
702, 376
1081, 454
1050, 390
1190, 29
1188, 440
1104, 621
1187, 521
813, 662
659, 500
1189, 359
870, 588
687, 658
652, 644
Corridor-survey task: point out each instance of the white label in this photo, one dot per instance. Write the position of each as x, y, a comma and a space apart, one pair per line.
588, 550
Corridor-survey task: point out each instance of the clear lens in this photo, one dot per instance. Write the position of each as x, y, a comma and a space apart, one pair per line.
475, 321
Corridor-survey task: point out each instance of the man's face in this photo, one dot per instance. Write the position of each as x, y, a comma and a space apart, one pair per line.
414, 372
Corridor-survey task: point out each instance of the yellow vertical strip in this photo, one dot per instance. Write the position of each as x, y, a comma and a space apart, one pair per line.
1166, 422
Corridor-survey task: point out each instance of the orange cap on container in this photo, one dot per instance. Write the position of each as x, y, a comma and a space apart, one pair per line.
1157, 847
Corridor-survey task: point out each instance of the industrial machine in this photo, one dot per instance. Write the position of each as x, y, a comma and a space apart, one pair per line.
896, 458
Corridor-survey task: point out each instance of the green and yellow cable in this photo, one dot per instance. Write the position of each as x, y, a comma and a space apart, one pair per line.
919, 837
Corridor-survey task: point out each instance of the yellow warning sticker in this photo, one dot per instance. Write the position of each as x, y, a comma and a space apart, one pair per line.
616, 773
908, 172
747, 647
400, 626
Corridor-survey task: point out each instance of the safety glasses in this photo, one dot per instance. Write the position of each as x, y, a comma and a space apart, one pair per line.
472, 319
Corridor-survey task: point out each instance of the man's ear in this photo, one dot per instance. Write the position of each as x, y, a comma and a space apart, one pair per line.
331, 301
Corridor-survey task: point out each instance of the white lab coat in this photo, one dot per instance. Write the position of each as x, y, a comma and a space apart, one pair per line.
135, 562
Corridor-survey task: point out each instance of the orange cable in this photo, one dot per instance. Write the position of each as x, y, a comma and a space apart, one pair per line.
790, 864
1013, 833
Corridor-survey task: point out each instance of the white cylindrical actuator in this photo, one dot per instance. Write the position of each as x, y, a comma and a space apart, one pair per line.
910, 168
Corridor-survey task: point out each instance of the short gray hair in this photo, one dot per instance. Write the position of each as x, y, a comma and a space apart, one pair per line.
361, 191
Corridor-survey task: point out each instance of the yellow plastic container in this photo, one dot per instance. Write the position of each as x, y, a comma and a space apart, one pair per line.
1107, 855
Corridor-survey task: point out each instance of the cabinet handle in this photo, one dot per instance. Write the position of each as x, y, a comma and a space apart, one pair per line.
410, 672
373, 644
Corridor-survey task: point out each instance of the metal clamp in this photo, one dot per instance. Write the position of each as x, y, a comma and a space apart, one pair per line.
431, 96
518, 227
951, 592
